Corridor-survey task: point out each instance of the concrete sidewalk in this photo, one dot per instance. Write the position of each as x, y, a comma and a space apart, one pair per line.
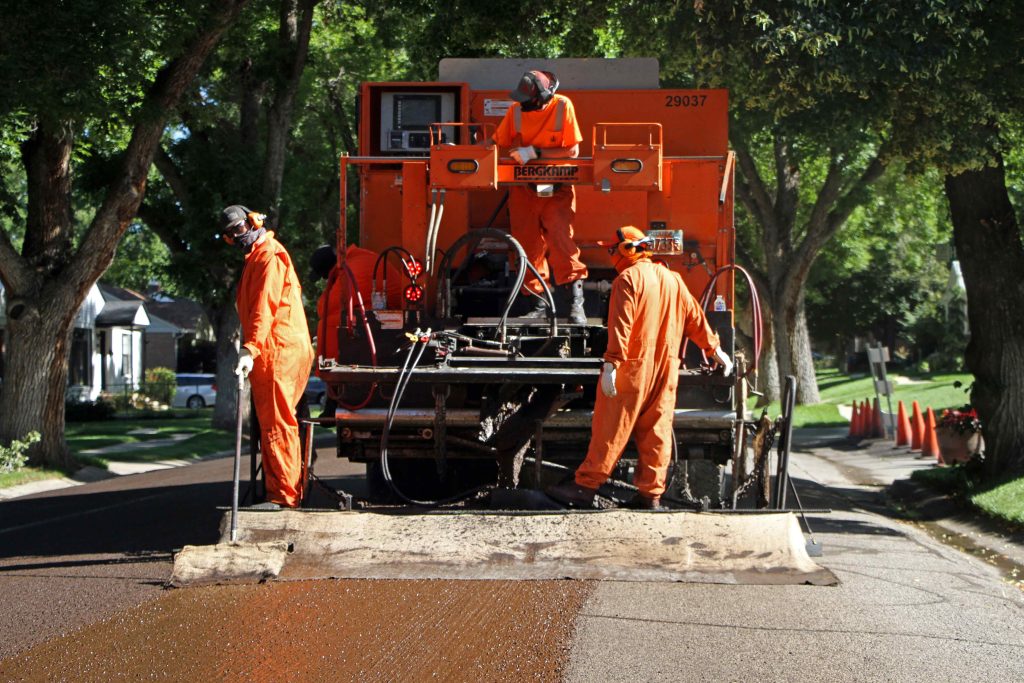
830, 459
909, 607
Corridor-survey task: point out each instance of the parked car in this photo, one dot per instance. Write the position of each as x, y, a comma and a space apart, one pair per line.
316, 392
195, 390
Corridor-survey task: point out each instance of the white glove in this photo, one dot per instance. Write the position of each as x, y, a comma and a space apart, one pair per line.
608, 380
723, 360
243, 366
524, 154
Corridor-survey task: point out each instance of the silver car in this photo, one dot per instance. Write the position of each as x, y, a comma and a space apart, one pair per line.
195, 390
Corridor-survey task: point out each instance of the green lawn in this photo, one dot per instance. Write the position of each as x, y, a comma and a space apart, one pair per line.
26, 475
937, 391
201, 439
1004, 501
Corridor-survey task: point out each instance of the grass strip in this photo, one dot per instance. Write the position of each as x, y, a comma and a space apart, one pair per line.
1003, 500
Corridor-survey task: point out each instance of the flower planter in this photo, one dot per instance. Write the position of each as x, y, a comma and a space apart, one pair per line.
958, 447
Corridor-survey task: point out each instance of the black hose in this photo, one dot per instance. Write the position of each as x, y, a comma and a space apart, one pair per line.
403, 382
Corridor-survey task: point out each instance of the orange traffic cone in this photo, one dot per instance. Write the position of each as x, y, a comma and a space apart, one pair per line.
859, 428
902, 426
930, 442
854, 419
916, 427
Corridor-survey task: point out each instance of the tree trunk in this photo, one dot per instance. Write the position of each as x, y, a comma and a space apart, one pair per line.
793, 344
296, 21
36, 376
988, 244
47, 283
41, 305
768, 372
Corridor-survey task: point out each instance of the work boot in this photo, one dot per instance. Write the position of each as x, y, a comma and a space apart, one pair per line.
540, 309
642, 502
576, 314
572, 494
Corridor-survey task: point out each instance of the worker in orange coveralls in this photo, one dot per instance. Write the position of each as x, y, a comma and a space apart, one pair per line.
277, 352
650, 312
335, 298
542, 125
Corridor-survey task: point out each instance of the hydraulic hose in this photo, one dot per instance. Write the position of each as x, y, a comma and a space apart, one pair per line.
444, 292
755, 307
403, 381
355, 294
382, 258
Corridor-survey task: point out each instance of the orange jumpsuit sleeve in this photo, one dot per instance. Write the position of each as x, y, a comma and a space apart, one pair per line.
264, 287
695, 324
622, 309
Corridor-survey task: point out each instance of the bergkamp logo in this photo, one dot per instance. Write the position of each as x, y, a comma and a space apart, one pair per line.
546, 172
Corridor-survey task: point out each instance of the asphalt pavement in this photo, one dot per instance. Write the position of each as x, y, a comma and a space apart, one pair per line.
908, 607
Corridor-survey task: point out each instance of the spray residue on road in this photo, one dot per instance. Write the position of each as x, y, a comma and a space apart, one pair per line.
364, 630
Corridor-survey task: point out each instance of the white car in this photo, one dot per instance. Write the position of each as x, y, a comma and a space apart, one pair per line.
195, 390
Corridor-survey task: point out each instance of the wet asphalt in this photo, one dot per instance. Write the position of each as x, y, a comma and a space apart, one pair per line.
907, 608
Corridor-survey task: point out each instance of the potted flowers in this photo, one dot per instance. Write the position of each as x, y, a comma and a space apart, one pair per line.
959, 435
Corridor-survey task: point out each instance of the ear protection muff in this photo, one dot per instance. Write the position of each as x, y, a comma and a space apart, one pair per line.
544, 94
625, 246
547, 93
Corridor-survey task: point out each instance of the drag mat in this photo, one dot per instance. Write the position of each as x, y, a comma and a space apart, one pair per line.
614, 545
324, 631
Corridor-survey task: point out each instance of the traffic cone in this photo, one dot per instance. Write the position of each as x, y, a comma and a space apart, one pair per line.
854, 419
916, 427
902, 426
858, 430
930, 442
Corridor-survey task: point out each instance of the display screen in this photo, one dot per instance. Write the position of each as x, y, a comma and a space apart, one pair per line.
416, 112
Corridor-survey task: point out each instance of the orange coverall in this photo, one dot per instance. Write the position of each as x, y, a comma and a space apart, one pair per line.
649, 313
276, 334
335, 299
541, 224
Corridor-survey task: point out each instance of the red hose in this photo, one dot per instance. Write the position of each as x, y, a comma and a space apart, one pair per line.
755, 307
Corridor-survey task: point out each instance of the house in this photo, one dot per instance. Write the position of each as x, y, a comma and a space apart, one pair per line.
117, 337
106, 351
179, 335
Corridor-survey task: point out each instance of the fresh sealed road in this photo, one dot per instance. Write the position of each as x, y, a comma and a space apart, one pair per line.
81, 572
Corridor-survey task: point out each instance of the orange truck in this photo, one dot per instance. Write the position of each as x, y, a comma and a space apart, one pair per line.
452, 391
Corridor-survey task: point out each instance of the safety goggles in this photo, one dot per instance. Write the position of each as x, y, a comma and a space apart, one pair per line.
640, 245
236, 230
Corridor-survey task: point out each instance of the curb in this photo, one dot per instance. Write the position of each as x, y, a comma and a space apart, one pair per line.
923, 504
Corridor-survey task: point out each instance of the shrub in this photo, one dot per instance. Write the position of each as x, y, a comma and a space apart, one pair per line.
13, 457
161, 384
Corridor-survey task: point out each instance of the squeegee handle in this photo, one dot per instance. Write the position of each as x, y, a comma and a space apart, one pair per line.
238, 459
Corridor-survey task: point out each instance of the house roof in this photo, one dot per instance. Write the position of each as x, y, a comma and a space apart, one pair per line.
122, 314
183, 313
115, 293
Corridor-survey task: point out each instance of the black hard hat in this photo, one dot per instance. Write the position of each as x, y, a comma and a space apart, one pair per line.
232, 216
321, 261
